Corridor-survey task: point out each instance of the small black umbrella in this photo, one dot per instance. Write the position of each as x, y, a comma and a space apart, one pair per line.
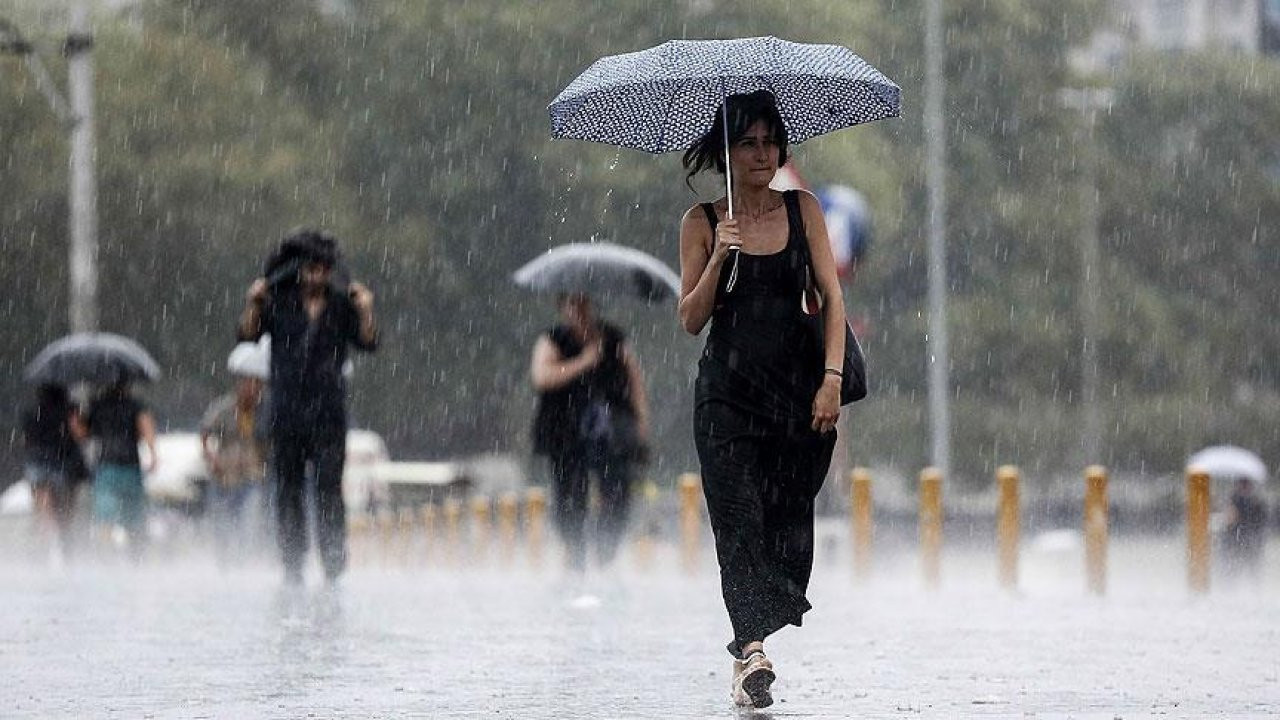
97, 358
600, 270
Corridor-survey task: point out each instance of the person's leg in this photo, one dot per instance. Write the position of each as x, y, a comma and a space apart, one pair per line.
569, 482
796, 472
331, 514
290, 455
728, 450
615, 473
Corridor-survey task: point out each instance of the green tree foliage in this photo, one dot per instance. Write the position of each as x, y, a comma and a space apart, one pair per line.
417, 132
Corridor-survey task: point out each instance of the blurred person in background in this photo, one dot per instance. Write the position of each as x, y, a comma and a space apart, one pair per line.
313, 315
592, 418
54, 466
236, 456
119, 422
1245, 533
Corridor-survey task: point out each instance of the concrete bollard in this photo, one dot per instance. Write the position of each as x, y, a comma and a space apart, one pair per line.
430, 542
452, 512
860, 515
1008, 526
931, 526
690, 520
508, 522
1198, 550
1096, 512
535, 518
481, 519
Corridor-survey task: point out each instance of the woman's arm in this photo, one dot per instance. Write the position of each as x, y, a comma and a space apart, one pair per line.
824, 271
826, 403
549, 371
636, 390
700, 265
147, 433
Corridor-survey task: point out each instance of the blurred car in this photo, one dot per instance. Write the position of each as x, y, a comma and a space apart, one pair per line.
181, 478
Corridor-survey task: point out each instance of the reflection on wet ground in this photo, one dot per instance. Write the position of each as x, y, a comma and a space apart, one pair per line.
181, 640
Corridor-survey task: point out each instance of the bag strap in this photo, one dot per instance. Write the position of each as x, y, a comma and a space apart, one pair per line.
710, 210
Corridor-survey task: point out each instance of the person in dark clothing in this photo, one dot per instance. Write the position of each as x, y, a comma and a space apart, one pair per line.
592, 417
311, 322
767, 395
1245, 534
54, 466
118, 421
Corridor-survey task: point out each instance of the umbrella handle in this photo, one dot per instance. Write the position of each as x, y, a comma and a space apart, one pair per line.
728, 188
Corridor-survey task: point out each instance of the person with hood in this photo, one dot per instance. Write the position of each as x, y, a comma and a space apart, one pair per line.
235, 454
313, 316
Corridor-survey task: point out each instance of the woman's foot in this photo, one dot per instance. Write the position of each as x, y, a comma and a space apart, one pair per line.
752, 678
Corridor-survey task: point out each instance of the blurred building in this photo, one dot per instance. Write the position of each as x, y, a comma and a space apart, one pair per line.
1250, 26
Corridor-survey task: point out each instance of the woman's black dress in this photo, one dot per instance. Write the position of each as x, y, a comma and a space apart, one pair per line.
762, 464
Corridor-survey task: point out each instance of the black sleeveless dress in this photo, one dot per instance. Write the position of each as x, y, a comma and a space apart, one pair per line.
762, 464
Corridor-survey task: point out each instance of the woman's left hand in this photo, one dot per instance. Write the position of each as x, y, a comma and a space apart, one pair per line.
826, 405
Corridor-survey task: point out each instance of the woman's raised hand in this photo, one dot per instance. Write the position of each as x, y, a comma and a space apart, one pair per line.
727, 239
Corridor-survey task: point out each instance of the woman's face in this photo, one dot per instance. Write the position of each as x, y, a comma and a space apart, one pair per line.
576, 311
754, 156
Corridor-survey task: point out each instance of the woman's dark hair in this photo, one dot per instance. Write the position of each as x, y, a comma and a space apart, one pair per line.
744, 111
51, 395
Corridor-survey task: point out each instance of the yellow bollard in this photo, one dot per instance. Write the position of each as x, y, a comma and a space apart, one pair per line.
1096, 522
452, 534
1007, 526
508, 520
429, 540
860, 514
535, 518
931, 526
644, 545
386, 535
1198, 530
480, 530
690, 520
358, 531
404, 539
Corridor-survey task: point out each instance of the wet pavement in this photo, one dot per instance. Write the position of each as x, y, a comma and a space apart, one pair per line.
177, 638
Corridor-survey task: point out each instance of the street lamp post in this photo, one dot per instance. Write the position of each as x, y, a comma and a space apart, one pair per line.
935, 178
76, 113
1088, 101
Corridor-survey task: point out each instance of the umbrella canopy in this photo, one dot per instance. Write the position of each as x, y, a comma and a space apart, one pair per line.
665, 98
97, 358
600, 269
1228, 461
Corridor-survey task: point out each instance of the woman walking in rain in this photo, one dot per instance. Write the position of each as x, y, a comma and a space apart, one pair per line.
592, 417
768, 390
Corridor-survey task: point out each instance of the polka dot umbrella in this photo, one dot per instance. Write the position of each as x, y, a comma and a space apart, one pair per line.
665, 98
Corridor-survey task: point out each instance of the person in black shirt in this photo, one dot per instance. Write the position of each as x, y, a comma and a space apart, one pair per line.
312, 319
592, 416
54, 466
118, 422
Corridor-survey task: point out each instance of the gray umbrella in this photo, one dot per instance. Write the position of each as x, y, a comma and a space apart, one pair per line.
600, 270
97, 358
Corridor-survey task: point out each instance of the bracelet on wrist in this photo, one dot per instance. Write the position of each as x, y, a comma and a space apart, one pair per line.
834, 371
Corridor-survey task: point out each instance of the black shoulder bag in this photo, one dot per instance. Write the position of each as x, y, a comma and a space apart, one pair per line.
853, 379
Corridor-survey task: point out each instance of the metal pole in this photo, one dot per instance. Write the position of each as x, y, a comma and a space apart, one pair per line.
935, 178
1090, 292
83, 256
